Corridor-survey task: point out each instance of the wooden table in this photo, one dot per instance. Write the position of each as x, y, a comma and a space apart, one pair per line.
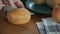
30, 28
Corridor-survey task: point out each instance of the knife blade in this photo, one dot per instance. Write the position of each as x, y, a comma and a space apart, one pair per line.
8, 8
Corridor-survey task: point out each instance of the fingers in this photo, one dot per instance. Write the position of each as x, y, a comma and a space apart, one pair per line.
12, 4
6, 2
1, 4
9, 3
19, 4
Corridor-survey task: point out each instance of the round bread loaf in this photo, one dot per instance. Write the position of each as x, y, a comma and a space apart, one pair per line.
19, 16
53, 3
40, 1
56, 14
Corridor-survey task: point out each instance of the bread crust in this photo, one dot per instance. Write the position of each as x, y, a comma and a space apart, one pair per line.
19, 16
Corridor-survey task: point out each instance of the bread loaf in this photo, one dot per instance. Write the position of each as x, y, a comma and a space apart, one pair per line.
19, 16
51, 3
39, 1
56, 14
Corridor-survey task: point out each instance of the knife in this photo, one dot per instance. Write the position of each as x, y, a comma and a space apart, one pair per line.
8, 8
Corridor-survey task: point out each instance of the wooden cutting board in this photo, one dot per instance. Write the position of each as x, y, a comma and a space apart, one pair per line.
8, 28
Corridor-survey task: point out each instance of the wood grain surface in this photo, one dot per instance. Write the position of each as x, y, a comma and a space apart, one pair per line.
8, 28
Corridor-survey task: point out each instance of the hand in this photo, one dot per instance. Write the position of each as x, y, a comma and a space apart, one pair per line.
13, 3
1, 4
